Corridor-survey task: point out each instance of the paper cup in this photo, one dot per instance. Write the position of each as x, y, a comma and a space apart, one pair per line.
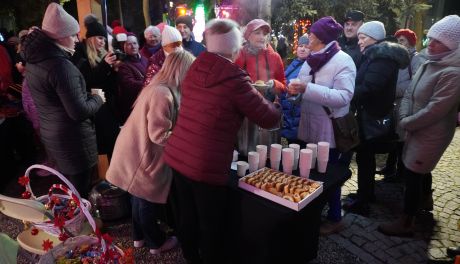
305, 161
275, 151
235, 155
253, 160
241, 168
322, 166
296, 148
262, 150
288, 160
323, 151
295, 81
314, 149
275, 164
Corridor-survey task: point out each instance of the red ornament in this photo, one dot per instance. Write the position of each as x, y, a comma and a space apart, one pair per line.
59, 221
24, 180
26, 195
34, 231
56, 200
63, 236
47, 245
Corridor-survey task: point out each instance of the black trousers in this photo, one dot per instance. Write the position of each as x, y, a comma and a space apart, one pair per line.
201, 220
365, 159
82, 181
418, 186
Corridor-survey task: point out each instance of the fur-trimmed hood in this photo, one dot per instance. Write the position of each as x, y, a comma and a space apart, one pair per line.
389, 50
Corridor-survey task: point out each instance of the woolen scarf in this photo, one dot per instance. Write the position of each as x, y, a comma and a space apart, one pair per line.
316, 61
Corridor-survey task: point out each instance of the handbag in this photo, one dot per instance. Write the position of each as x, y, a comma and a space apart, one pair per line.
377, 129
346, 131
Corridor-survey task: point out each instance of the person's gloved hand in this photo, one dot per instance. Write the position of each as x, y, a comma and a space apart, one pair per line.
270, 94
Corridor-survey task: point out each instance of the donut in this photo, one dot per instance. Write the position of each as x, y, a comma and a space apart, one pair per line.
303, 194
297, 198
288, 197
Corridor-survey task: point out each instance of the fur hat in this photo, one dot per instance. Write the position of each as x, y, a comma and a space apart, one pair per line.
57, 23
187, 20
326, 29
95, 29
303, 40
254, 25
374, 29
408, 34
170, 35
447, 31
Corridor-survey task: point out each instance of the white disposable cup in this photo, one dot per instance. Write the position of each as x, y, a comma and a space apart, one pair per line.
241, 168
262, 150
100, 92
235, 155
253, 160
305, 159
275, 152
314, 149
304, 172
296, 148
322, 166
275, 164
288, 160
295, 81
323, 151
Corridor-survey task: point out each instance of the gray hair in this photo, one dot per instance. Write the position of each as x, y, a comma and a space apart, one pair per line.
153, 29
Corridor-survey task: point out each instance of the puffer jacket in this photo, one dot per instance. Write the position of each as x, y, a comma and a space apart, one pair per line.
216, 96
428, 112
59, 92
377, 76
265, 65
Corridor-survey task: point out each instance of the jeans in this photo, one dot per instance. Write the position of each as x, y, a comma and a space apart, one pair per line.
334, 213
144, 222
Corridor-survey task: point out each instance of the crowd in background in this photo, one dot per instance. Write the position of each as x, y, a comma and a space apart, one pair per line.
168, 114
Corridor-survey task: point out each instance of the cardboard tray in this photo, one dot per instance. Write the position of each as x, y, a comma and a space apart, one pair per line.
293, 205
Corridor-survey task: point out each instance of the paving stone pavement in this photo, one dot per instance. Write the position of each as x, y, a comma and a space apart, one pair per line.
434, 232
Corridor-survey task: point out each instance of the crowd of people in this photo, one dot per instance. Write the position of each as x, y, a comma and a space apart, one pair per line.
169, 114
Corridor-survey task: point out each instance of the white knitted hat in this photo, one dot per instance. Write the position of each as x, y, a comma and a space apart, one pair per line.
374, 29
447, 31
170, 35
226, 43
57, 23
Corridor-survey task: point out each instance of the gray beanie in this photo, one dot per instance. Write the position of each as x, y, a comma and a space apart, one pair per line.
57, 23
303, 40
374, 29
447, 31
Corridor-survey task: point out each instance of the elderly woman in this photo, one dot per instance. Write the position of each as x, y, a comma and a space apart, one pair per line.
428, 114
216, 96
138, 166
374, 97
58, 90
152, 43
406, 37
327, 82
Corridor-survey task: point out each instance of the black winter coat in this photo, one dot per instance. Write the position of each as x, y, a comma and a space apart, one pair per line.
375, 86
64, 107
352, 48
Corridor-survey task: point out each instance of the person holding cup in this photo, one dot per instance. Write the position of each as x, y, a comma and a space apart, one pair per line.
329, 75
291, 104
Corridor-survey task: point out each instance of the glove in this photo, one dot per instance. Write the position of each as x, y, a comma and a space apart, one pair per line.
270, 94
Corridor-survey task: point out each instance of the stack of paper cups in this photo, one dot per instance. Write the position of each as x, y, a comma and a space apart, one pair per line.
253, 160
305, 162
323, 156
262, 150
241, 168
275, 156
296, 148
288, 160
314, 149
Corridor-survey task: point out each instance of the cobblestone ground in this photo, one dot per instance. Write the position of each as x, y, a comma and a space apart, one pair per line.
435, 231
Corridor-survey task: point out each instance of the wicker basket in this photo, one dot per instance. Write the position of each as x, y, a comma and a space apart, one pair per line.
72, 225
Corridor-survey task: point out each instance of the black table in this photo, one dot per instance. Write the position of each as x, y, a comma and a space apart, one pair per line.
266, 232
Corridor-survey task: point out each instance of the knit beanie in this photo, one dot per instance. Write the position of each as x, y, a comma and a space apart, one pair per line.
95, 29
373, 29
326, 29
408, 34
254, 25
187, 20
303, 40
170, 35
223, 43
120, 37
447, 31
57, 23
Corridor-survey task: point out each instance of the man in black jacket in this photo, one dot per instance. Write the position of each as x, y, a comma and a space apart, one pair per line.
349, 40
59, 92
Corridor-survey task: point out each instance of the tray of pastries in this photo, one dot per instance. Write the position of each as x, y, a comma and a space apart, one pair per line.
291, 191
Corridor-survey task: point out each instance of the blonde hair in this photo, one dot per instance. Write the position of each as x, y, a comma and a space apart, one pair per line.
94, 55
173, 71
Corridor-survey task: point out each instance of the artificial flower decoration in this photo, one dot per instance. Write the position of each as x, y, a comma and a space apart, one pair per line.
24, 180
47, 245
26, 195
34, 231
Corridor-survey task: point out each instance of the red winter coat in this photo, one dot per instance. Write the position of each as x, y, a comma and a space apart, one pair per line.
265, 65
216, 96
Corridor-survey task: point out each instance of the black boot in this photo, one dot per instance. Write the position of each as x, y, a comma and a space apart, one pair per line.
453, 251
402, 227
